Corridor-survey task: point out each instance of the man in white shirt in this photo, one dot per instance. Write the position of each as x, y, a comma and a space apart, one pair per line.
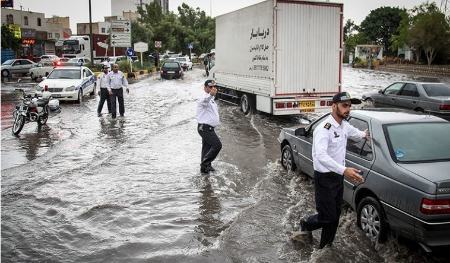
116, 82
102, 85
208, 119
328, 152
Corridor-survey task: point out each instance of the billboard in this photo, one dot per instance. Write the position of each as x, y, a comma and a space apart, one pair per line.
7, 3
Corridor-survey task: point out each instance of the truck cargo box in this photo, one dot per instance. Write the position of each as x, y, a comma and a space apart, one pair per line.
282, 57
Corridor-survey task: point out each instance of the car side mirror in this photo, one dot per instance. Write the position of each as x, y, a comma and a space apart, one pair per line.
300, 132
380, 91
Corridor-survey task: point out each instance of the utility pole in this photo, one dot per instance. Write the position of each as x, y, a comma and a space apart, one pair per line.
90, 34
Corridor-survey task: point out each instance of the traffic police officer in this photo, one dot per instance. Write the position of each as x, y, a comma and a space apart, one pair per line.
102, 84
328, 152
116, 82
208, 119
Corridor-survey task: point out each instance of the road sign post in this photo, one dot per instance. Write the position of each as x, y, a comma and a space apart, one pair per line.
141, 47
190, 46
121, 33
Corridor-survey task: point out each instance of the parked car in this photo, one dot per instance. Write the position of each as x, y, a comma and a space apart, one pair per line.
16, 66
69, 83
79, 61
419, 96
171, 70
405, 167
42, 69
51, 58
185, 62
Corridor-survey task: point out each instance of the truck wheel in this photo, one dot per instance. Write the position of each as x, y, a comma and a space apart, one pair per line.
370, 218
246, 104
287, 158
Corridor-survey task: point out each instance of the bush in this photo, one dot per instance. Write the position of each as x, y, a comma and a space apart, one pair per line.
124, 66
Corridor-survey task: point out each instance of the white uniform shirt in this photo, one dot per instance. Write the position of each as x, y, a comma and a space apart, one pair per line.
330, 143
207, 111
102, 80
117, 80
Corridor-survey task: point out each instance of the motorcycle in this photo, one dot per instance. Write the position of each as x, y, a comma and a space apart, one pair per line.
31, 109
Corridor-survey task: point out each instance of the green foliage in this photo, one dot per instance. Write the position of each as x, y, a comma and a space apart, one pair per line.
381, 24
9, 40
124, 66
175, 31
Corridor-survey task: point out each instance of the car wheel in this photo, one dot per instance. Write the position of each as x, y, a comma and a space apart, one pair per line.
371, 219
246, 104
287, 158
5, 73
80, 96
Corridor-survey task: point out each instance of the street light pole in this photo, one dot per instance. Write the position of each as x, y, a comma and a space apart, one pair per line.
90, 34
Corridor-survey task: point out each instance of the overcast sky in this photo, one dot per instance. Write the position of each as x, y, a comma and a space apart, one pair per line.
78, 10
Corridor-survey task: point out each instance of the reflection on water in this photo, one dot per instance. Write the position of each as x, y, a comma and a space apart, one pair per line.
112, 129
210, 225
33, 142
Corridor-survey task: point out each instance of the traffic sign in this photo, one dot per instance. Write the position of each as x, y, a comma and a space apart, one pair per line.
121, 33
130, 52
190, 46
158, 44
140, 47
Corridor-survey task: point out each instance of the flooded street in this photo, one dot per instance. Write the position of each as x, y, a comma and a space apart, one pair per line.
89, 189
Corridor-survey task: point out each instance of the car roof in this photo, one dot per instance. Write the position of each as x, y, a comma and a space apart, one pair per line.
386, 115
419, 82
69, 67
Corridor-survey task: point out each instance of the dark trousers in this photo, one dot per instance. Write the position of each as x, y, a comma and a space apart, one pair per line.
211, 144
104, 96
117, 93
329, 189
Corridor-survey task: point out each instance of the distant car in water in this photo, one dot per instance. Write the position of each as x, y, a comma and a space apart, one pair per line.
185, 62
16, 66
405, 166
42, 69
171, 70
419, 96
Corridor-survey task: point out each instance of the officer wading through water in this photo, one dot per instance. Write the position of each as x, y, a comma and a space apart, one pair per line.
116, 82
328, 152
208, 119
102, 84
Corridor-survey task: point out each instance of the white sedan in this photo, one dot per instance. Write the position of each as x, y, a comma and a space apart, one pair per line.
42, 69
185, 62
69, 83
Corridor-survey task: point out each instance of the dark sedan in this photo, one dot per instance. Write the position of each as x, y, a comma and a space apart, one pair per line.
171, 70
406, 168
419, 96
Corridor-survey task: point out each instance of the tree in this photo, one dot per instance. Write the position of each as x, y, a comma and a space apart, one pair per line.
430, 32
381, 24
9, 40
349, 29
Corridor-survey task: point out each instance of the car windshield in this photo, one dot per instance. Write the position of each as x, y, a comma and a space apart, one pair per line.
419, 142
173, 65
434, 90
73, 60
65, 74
8, 62
181, 59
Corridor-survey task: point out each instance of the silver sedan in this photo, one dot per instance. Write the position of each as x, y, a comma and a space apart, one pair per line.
433, 98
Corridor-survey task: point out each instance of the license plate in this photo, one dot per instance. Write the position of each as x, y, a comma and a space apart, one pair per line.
171, 72
307, 106
56, 96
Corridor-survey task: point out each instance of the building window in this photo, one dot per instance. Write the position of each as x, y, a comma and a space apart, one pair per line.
57, 35
25, 20
9, 19
39, 22
50, 35
103, 30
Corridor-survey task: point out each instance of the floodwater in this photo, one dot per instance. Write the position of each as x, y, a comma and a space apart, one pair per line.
89, 189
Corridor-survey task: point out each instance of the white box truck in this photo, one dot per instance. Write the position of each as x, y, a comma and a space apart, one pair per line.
281, 57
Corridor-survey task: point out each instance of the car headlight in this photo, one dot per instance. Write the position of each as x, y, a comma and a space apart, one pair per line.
71, 88
38, 88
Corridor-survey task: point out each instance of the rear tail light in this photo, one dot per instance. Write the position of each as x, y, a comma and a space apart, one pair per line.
435, 206
444, 107
280, 105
